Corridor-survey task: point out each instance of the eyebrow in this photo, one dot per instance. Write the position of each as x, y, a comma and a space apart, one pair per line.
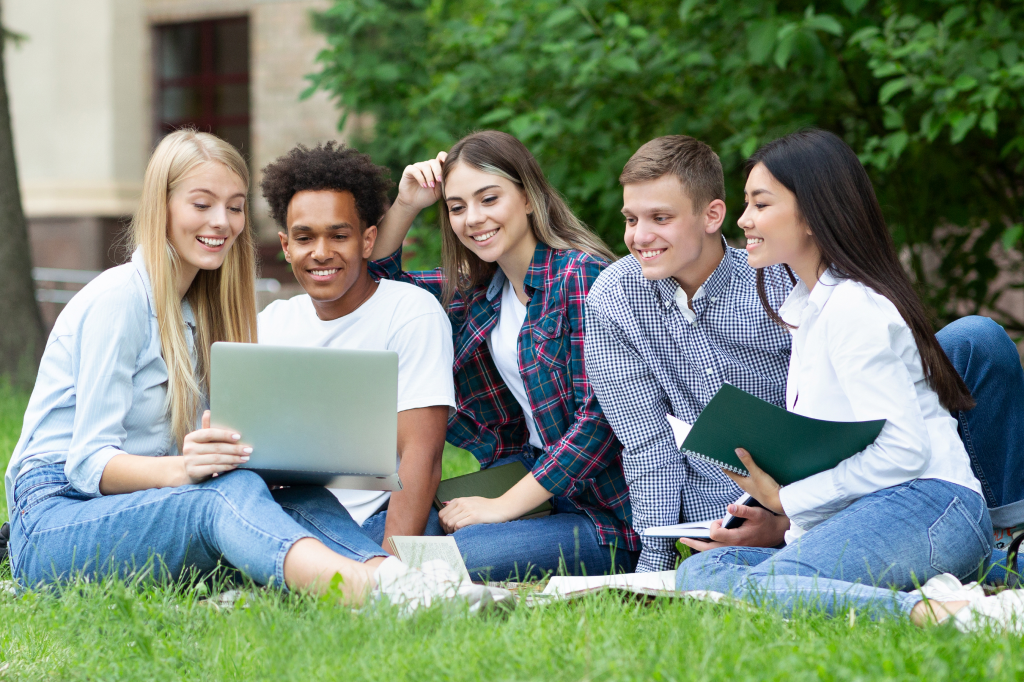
214, 194
482, 189
759, 191
339, 226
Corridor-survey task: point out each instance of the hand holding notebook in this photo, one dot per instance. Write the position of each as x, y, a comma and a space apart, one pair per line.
786, 446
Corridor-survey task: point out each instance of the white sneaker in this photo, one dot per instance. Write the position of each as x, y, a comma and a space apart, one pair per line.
411, 588
1003, 611
946, 587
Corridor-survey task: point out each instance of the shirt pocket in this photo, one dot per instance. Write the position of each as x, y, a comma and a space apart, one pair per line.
551, 342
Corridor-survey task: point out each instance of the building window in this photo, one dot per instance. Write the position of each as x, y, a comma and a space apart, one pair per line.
202, 78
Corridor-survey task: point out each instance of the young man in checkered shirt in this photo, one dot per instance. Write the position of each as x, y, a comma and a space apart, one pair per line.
669, 324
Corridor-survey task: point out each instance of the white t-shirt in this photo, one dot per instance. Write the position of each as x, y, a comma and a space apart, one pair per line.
399, 317
503, 342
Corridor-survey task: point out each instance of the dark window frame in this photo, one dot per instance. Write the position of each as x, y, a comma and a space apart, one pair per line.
206, 81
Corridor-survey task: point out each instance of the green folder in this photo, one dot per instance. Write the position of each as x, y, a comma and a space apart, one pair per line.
492, 482
787, 446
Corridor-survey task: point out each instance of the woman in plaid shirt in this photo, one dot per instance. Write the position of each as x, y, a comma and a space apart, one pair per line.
517, 266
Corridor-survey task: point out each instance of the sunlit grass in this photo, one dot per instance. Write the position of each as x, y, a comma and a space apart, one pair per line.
124, 630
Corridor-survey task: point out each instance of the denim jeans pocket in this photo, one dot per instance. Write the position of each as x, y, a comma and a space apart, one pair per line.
956, 543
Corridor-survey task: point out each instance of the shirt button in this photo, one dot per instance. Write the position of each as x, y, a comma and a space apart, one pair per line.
550, 328
714, 299
710, 370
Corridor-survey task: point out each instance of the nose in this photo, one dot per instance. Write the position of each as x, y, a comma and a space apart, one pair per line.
218, 218
474, 216
746, 220
642, 233
320, 250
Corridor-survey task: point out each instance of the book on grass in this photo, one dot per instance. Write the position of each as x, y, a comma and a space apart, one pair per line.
415, 550
787, 446
491, 483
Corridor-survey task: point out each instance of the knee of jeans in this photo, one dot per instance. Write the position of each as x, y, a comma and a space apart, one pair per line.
239, 482
977, 331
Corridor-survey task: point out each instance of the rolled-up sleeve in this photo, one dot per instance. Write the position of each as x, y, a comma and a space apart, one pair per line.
104, 359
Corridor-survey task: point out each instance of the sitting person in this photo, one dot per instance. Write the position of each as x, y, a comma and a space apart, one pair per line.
327, 201
680, 316
113, 474
517, 267
906, 508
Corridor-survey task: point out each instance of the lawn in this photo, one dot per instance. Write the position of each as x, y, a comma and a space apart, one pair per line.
122, 631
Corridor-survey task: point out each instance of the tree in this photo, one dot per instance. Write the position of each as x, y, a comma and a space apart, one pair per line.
21, 327
929, 93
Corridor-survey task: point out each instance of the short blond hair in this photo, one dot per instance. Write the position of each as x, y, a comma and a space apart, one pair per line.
695, 164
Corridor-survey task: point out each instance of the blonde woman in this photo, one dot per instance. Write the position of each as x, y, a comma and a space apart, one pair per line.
517, 268
111, 472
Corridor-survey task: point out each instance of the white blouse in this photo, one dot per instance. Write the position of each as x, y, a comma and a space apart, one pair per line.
855, 359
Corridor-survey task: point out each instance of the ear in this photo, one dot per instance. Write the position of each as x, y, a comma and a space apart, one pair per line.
714, 216
369, 237
283, 236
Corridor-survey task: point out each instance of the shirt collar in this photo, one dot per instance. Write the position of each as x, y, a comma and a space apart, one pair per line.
535, 275
713, 287
802, 303
139, 261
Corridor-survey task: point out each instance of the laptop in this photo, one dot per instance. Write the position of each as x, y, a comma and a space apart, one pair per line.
314, 416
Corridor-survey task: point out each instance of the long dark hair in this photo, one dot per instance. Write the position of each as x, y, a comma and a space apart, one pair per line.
835, 197
552, 221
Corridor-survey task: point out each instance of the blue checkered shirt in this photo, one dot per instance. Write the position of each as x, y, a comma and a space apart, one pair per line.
646, 360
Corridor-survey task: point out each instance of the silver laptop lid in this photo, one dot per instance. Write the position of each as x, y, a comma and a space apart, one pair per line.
321, 416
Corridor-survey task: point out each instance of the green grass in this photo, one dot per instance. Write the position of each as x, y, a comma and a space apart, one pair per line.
121, 631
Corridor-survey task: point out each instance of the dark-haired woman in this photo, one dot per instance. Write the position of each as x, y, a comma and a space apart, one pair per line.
908, 507
517, 268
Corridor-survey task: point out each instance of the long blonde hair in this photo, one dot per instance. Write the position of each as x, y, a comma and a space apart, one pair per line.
552, 221
223, 300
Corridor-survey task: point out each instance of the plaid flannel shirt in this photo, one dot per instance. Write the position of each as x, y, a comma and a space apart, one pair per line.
646, 360
580, 461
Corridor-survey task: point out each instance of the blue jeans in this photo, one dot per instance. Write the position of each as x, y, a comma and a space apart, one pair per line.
58, 533
565, 541
863, 557
993, 432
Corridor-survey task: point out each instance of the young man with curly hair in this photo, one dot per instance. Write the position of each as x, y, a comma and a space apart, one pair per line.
327, 201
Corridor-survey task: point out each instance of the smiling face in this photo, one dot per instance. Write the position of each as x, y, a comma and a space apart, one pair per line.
205, 214
775, 230
665, 236
328, 250
488, 213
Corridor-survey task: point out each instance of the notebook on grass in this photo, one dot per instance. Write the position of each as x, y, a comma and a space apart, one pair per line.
493, 482
787, 446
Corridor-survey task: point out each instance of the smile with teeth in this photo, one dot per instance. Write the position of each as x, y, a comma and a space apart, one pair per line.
650, 253
323, 273
485, 236
211, 241
754, 241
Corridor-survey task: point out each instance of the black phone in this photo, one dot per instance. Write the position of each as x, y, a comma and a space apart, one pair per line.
731, 521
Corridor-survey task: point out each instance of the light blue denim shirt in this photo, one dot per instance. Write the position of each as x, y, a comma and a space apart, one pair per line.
102, 384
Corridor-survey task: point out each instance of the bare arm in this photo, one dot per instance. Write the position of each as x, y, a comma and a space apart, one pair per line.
519, 500
419, 187
421, 435
207, 452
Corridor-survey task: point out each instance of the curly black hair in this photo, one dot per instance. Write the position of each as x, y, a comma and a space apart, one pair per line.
329, 166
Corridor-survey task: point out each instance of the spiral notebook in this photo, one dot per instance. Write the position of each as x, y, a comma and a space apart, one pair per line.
787, 446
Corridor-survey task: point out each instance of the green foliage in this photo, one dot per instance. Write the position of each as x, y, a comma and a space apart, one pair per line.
929, 92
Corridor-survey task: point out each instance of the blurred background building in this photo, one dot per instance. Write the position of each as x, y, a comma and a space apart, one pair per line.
97, 83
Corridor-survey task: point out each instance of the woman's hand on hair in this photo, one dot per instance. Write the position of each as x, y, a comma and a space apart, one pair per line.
760, 485
420, 185
210, 452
